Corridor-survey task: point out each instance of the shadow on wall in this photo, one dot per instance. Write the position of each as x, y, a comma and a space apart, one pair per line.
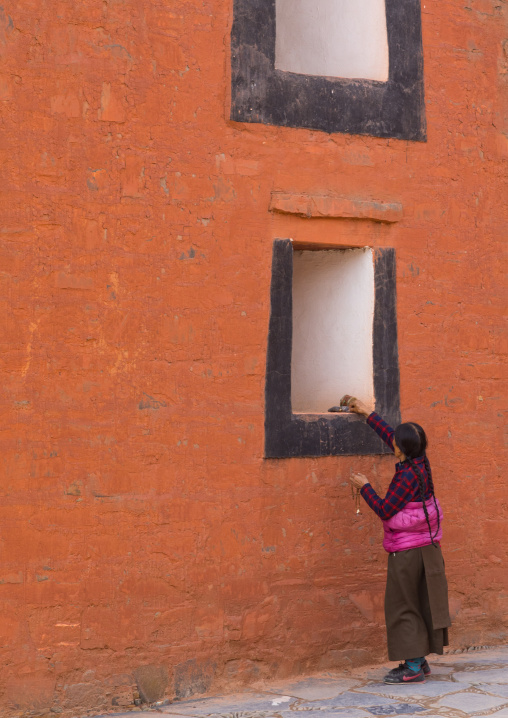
190, 678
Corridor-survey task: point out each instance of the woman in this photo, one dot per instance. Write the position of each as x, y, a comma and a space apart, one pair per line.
416, 598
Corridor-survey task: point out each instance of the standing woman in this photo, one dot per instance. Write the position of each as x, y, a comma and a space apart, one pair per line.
416, 598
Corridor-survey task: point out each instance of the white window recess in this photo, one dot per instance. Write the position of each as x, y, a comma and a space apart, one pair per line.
333, 310
333, 38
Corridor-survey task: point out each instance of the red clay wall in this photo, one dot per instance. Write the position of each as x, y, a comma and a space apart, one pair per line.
140, 523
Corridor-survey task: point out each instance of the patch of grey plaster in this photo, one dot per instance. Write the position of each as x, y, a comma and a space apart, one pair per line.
164, 185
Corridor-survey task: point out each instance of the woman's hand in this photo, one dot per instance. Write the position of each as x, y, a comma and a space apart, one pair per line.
358, 480
359, 407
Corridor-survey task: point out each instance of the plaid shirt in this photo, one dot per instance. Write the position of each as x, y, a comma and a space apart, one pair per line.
404, 486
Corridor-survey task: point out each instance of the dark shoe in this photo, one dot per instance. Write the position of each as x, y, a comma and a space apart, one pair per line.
404, 674
425, 668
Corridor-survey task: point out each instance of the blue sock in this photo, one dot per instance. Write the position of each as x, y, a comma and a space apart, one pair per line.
415, 664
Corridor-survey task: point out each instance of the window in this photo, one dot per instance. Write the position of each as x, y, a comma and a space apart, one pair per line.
333, 310
332, 330
351, 66
332, 38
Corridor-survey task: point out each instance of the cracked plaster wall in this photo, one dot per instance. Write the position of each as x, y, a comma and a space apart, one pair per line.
139, 523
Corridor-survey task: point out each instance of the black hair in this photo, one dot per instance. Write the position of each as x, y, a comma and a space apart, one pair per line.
412, 441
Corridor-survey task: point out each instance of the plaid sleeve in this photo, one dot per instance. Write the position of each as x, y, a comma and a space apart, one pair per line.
400, 492
381, 428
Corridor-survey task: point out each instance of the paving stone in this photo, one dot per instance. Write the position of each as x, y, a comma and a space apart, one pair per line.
356, 699
470, 702
313, 689
496, 689
439, 670
377, 674
401, 709
237, 703
429, 689
339, 713
477, 658
499, 675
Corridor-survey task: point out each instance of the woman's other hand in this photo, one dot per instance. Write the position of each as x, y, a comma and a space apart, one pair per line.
359, 407
358, 480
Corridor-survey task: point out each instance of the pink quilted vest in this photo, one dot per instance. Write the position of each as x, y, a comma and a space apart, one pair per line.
409, 528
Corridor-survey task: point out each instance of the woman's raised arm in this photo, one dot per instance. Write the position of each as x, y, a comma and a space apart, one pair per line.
382, 429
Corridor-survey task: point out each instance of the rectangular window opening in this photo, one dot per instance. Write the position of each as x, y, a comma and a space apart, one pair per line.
333, 38
333, 311
332, 331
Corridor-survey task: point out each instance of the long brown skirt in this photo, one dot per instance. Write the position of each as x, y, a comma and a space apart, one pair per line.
416, 603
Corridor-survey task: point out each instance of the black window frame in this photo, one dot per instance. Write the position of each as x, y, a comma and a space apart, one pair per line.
290, 435
260, 93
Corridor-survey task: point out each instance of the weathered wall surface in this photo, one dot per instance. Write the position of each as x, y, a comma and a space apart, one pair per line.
139, 523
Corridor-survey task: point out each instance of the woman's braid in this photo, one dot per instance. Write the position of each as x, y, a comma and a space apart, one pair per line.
429, 474
431, 486
421, 485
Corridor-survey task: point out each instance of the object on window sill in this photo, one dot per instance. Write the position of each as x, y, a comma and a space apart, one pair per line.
344, 404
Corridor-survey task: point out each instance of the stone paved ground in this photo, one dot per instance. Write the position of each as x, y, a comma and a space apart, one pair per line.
461, 685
